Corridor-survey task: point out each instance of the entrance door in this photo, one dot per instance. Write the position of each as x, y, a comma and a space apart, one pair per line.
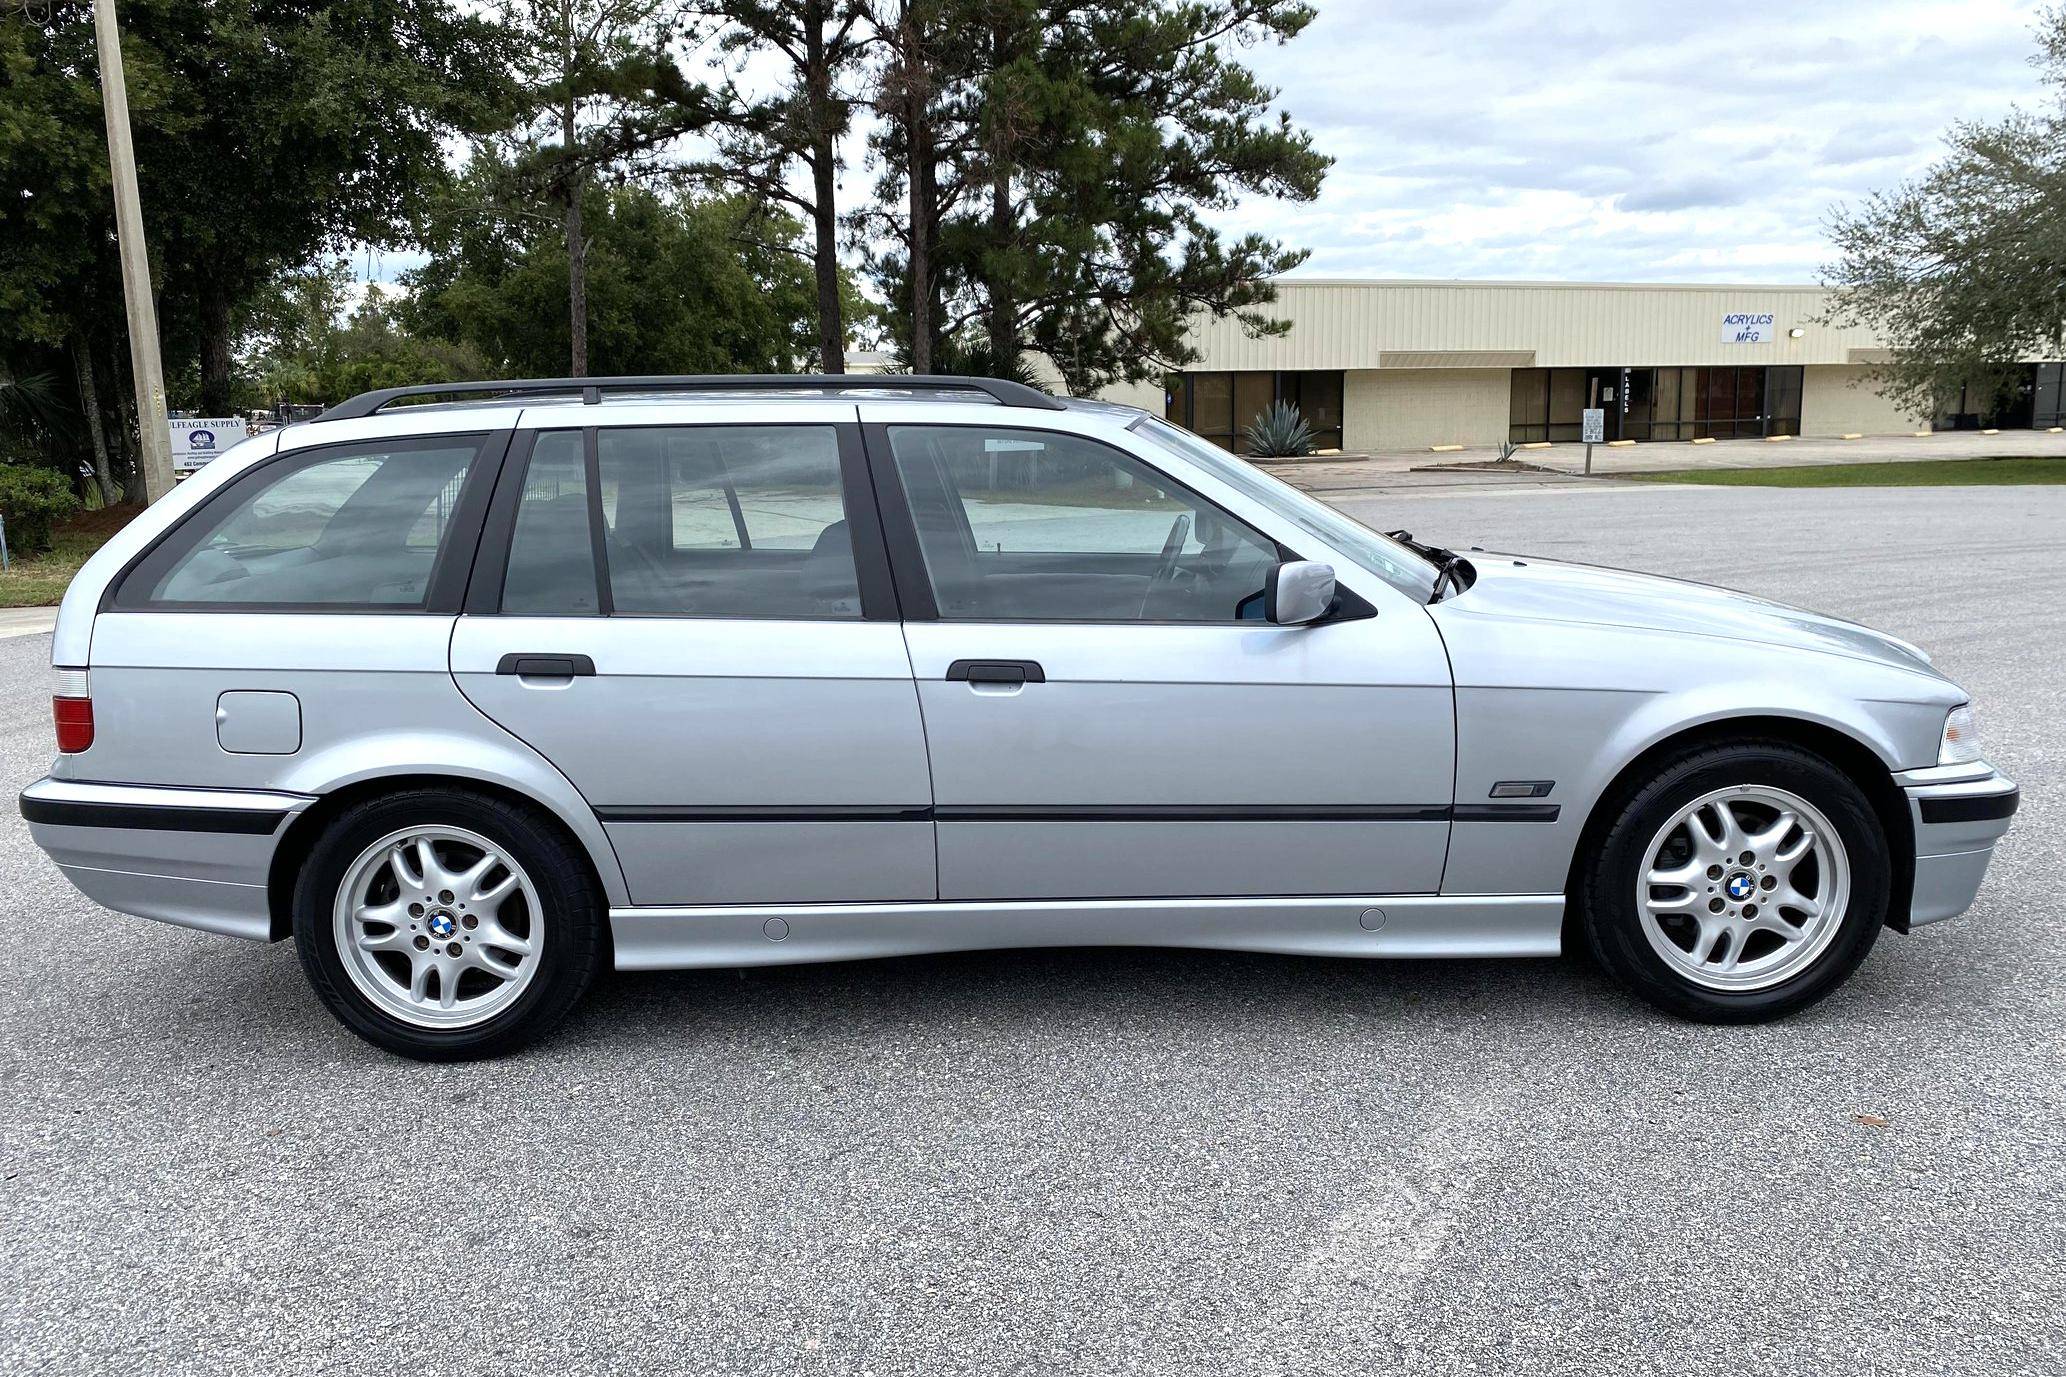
696, 627
1108, 714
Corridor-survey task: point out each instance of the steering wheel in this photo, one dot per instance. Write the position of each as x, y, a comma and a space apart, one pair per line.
1167, 567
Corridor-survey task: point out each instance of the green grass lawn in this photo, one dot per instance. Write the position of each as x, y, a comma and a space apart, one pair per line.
39, 580
1923, 473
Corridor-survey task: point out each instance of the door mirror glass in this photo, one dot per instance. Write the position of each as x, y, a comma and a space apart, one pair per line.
1298, 592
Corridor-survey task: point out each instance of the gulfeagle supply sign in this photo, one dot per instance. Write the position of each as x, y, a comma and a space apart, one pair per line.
196, 441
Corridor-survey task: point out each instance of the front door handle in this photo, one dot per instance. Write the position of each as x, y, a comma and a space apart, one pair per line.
542, 666
996, 672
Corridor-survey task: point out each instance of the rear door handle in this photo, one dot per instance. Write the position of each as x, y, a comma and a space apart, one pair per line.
536, 666
996, 672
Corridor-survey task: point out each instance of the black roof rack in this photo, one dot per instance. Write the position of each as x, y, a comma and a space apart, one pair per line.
592, 390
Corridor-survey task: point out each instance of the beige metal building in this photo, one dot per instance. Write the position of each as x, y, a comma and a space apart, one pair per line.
1376, 365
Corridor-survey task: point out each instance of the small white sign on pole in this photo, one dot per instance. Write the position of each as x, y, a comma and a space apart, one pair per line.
1594, 425
1747, 327
195, 442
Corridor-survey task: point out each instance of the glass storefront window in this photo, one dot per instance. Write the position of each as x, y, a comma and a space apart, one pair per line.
1220, 406
1666, 408
2048, 409
2021, 406
1318, 397
1253, 394
1660, 403
1212, 407
1783, 401
1528, 414
1639, 404
1566, 400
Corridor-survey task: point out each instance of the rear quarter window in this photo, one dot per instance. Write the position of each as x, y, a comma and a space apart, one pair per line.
355, 526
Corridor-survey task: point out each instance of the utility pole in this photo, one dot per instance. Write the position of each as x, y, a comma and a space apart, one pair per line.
151, 424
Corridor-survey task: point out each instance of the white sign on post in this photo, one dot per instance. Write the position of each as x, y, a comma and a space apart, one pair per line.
195, 442
1593, 430
1747, 327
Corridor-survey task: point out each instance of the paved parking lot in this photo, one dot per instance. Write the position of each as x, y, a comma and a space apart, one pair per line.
1102, 1162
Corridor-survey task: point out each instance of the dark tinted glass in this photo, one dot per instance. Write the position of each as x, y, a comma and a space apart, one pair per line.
357, 526
726, 521
551, 552
1032, 525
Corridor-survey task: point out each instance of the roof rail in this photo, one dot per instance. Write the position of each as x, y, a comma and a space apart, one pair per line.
591, 390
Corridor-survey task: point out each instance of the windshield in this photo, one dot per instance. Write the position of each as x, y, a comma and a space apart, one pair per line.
1389, 560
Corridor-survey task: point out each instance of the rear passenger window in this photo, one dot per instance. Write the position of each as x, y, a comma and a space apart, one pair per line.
346, 526
726, 521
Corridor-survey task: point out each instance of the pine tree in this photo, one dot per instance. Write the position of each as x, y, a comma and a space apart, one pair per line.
1077, 153
818, 45
600, 92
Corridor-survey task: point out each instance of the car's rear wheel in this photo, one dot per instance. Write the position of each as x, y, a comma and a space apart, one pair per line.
1742, 882
447, 925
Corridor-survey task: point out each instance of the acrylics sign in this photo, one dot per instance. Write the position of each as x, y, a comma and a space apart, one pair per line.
1747, 327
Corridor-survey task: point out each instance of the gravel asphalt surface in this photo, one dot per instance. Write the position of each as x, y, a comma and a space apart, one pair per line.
1102, 1161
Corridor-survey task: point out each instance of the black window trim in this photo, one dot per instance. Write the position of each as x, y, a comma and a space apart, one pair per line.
907, 559
864, 524
444, 592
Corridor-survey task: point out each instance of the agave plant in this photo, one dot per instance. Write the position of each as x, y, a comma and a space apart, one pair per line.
1279, 433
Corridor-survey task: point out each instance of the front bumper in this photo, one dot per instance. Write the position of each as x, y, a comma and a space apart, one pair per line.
200, 858
1959, 812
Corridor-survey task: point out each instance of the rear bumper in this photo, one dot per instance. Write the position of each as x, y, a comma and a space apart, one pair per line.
1959, 812
196, 857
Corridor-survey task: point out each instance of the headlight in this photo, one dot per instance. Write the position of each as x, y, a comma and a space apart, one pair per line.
1961, 744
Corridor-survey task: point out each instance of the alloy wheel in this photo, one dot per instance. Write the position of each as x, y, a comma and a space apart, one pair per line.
1743, 888
438, 926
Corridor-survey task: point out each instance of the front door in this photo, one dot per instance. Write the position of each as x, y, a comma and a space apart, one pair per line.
695, 626
1108, 715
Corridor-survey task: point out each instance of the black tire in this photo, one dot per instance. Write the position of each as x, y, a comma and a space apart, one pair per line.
1604, 887
574, 915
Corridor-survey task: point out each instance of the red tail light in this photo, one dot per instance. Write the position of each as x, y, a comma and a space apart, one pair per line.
74, 717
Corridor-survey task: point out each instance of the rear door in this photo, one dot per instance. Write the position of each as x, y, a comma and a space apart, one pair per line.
694, 622
1107, 713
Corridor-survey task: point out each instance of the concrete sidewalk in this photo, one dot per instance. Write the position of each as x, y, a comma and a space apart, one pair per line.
1355, 471
26, 621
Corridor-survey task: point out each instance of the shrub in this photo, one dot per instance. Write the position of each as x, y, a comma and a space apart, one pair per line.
33, 499
1279, 433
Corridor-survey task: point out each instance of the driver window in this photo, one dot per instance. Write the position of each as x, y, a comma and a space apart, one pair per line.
1019, 525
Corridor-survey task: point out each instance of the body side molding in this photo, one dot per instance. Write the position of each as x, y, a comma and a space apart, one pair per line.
1097, 812
1418, 925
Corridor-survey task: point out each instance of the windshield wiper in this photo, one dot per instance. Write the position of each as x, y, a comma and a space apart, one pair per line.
1446, 562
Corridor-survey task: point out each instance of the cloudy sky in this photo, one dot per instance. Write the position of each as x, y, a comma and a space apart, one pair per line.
1604, 140
1608, 140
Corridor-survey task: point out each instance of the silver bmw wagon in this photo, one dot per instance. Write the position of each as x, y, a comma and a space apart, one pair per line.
477, 689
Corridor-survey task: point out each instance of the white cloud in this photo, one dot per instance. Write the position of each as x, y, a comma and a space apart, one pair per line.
1621, 139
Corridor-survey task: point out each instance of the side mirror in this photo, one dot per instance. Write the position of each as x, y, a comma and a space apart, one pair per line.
1298, 592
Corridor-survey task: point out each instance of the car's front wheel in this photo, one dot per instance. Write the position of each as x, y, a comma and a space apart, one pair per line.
1742, 882
445, 925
